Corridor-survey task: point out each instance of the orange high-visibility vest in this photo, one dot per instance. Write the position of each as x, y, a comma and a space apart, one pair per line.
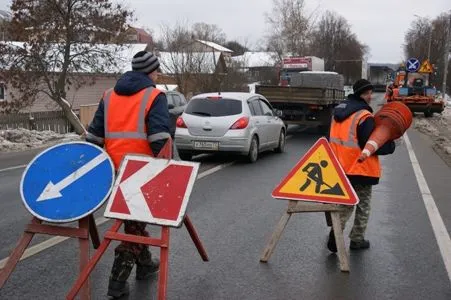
125, 126
344, 143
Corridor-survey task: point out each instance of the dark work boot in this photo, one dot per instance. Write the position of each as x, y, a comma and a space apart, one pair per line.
117, 289
145, 266
331, 245
146, 271
359, 245
122, 266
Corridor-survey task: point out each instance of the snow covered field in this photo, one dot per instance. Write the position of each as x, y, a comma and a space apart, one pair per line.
23, 139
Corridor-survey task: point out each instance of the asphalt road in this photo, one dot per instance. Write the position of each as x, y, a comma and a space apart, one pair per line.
234, 214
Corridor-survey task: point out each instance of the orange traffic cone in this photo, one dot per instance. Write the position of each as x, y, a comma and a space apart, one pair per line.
392, 121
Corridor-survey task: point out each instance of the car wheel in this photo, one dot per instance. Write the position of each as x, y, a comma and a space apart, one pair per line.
282, 141
185, 156
253, 150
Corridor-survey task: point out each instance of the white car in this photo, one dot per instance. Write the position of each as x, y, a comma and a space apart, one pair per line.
242, 123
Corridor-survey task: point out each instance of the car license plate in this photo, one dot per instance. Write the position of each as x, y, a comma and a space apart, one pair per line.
206, 145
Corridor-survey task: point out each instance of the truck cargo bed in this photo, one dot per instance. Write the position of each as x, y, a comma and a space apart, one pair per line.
291, 94
303, 105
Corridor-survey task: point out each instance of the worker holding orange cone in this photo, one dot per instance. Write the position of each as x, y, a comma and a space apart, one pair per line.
392, 120
352, 126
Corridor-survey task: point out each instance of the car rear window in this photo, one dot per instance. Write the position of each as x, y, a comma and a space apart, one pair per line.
212, 107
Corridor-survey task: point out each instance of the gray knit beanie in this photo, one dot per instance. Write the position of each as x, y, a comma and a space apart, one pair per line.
145, 62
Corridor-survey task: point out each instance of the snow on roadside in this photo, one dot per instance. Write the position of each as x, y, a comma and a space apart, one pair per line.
24, 139
438, 128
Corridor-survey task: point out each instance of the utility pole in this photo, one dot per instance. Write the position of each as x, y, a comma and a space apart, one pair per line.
430, 41
447, 51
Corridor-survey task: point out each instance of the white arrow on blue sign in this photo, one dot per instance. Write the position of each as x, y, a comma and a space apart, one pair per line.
413, 65
67, 182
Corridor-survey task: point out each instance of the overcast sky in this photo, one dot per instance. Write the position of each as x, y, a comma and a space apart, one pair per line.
380, 24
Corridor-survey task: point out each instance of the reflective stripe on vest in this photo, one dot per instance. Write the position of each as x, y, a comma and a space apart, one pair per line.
351, 141
124, 123
344, 143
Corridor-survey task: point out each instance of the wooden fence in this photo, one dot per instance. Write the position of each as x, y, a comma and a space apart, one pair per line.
49, 120
87, 113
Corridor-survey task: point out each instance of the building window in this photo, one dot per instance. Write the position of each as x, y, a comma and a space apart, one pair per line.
2, 91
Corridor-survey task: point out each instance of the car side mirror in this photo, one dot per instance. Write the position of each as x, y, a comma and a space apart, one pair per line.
278, 113
171, 106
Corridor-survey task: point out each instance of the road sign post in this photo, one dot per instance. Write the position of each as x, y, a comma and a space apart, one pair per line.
316, 184
52, 187
153, 191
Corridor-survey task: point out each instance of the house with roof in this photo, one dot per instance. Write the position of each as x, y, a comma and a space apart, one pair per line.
206, 46
258, 66
88, 93
138, 35
193, 72
187, 72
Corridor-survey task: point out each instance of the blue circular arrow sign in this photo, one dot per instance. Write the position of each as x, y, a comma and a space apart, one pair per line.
67, 182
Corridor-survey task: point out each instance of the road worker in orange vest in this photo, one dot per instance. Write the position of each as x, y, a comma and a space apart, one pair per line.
389, 92
351, 127
132, 117
395, 92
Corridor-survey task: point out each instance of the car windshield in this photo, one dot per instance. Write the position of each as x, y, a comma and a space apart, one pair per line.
213, 107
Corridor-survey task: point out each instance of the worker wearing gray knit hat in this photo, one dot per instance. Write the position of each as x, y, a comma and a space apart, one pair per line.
117, 127
145, 62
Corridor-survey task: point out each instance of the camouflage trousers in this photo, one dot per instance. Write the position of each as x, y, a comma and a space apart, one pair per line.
128, 254
362, 212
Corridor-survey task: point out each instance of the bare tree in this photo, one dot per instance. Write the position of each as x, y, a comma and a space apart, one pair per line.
290, 27
334, 40
208, 32
61, 40
192, 69
416, 42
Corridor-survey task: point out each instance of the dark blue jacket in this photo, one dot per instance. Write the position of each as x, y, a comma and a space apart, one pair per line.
364, 130
157, 120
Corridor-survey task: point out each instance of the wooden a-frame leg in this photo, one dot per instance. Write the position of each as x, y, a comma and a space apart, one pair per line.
340, 242
269, 249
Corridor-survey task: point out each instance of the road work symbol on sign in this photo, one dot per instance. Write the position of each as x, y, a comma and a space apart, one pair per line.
150, 190
426, 67
67, 182
314, 172
317, 177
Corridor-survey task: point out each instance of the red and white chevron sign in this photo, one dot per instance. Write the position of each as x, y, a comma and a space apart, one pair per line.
150, 190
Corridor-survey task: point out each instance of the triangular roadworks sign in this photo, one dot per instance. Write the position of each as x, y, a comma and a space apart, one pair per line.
317, 177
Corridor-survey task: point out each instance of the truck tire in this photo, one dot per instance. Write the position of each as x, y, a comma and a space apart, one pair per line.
187, 156
428, 114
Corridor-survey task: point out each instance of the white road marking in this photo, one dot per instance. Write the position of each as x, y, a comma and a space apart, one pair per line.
439, 228
13, 168
214, 170
99, 221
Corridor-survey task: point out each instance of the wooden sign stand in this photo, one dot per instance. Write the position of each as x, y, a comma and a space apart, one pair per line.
332, 217
162, 243
86, 228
